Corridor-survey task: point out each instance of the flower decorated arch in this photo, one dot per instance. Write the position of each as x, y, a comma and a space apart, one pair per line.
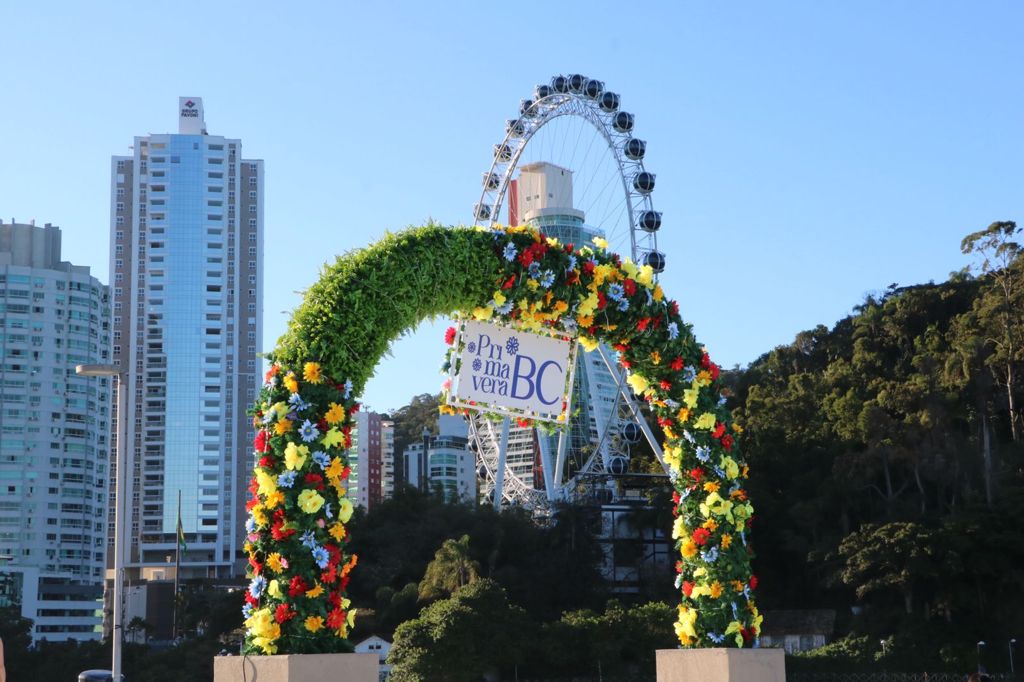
299, 564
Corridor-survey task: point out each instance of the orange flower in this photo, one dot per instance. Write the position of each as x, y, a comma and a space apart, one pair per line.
335, 413
726, 541
311, 373
282, 427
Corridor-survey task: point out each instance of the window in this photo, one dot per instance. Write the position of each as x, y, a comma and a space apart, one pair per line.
252, 194
252, 250
120, 192
120, 206
252, 223
252, 236
252, 208
252, 181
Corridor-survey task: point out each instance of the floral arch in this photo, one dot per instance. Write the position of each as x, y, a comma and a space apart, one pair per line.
298, 562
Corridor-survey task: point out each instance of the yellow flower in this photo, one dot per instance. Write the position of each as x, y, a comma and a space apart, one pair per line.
499, 298
658, 293
637, 383
282, 427
267, 482
703, 377
674, 456
678, 528
689, 548
259, 516
690, 397
588, 305
646, 277
716, 590
684, 415
335, 413
484, 313
600, 242
295, 456
333, 438
711, 487
656, 357
274, 562
737, 586
345, 509
311, 373
291, 383
310, 501
705, 421
273, 499
737, 428
685, 626
315, 592
280, 409
589, 344
731, 468
266, 643
314, 623
726, 541
334, 469
585, 321
552, 242
561, 307
711, 525
274, 589
337, 531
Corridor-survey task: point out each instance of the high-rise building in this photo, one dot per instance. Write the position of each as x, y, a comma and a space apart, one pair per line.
387, 460
186, 236
54, 435
450, 465
365, 486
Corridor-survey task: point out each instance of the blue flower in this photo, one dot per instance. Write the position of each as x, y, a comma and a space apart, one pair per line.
503, 309
297, 403
268, 417
719, 471
716, 638
348, 388
308, 539
547, 279
286, 479
722, 399
623, 305
703, 453
320, 556
673, 331
689, 374
293, 416
321, 458
616, 291
688, 436
534, 270
250, 525
308, 431
257, 586
743, 537
572, 262
685, 493
327, 511
510, 252
735, 611
247, 610
710, 555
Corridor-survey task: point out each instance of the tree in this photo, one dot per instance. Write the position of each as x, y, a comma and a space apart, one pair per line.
474, 632
1000, 309
452, 568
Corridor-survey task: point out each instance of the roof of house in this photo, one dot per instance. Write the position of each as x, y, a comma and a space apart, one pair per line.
799, 622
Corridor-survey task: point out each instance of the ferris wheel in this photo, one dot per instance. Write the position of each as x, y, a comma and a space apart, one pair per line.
570, 165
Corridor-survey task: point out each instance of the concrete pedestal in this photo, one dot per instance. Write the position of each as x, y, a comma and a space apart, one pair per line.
721, 665
297, 668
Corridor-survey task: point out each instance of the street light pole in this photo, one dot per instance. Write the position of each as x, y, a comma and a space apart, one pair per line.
1010, 647
980, 644
119, 487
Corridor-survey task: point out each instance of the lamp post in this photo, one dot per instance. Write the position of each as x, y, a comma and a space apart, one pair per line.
1010, 648
115, 371
980, 644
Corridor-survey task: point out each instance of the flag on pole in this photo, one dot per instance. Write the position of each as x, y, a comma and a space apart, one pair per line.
181, 533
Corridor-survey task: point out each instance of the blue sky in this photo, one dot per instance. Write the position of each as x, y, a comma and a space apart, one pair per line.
807, 153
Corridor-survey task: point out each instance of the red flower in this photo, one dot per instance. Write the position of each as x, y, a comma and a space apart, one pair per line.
336, 618
673, 307
345, 473
719, 430
570, 247
665, 384
249, 599
643, 323
714, 371
701, 535
526, 257
323, 425
266, 461
449, 335
675, 496
705, 361
727, 442
696, 473
316, 480
260, 443
283, 614
602, 300
330, 575
753, 582
588, 267
522, 422
355, 408
629, 286
507, 284
687, 587
621, 347
572, 277
747, 633
625, 363
677, 364
257, 567
297, 587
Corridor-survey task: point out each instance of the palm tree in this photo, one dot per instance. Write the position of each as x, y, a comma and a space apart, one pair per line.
452, 568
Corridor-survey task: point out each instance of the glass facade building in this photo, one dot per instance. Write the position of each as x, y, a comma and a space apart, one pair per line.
186, 257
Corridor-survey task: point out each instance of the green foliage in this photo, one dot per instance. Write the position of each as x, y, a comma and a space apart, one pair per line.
475, 632
451, 569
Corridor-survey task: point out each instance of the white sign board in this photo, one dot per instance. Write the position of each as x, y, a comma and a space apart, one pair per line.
190, 116
500, 369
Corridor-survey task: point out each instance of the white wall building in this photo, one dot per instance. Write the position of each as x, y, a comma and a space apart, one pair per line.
54, 426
